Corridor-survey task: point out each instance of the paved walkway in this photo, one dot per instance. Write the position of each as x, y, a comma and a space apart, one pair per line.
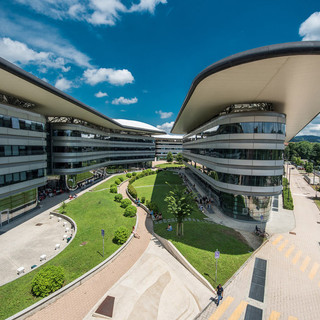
292, 288
150, 279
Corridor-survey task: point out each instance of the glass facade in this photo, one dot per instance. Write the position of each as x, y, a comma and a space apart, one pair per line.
243, 180
243, 154
85, 135
238, 128
17, 177
102, 161
15, 123
9, 151
99, 149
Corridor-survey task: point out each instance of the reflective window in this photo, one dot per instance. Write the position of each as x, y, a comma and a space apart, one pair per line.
8, 151
241, 154
15, 123
242, 127
254, 181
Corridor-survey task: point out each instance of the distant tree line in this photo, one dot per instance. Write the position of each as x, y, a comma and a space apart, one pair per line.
296, 152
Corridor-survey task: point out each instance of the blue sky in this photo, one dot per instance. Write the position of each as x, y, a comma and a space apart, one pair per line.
136, 59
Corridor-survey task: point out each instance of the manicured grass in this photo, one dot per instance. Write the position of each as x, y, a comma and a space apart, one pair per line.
155, 188
92, 212
200, 239
199, 243
170, 165
109, 182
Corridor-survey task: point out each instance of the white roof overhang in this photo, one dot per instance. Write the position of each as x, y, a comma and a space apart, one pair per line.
51, 102
286, 75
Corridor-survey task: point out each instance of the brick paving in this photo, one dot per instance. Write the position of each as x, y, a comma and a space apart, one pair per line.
292, 281
78, 302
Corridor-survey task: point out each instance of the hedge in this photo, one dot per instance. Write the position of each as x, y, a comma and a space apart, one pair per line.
118, 197
121, 235
130, 211
47, 280
132, 191
125, 203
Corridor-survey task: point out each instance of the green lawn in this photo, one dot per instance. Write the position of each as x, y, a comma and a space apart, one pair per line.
92, 212
200, 239
155, 188
109, 182
170, 165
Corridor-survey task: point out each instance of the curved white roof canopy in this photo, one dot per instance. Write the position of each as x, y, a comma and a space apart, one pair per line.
137, 124
286, 75
170, 136
51, 102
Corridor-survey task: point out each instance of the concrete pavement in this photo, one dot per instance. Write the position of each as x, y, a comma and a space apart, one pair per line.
292, 288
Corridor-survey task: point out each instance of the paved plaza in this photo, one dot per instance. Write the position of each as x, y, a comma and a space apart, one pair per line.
292, 289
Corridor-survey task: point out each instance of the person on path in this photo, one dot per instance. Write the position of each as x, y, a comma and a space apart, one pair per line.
219, 293
135, 233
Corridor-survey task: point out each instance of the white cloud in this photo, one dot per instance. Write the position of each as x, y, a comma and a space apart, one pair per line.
41, 37
123, 100
167, 126
164, 115
147, 5
63, 84
20, 53
112, 76
96, 12
310, 29
101, 94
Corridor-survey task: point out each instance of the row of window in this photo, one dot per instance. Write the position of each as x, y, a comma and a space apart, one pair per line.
243, 154
241, 127
97, 149
12, 178
243, 180
88, 163
79, 134
8, 151
15, 123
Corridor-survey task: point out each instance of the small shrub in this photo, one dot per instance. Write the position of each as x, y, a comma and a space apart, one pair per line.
47, 280
117, 182
121, 179
113, 190
132, 180
134, 174
113, 185
129, 175
130, 211
152, 206
132, 191
125, 203
143, 199
118, 197
121, 235
64, 207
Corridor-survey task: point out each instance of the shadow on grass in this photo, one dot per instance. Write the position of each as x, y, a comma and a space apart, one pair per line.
201, 235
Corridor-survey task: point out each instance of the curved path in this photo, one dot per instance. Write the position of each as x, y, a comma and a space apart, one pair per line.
146, 281
78, 302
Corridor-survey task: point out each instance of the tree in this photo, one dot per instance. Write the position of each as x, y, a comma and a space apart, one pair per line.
308, 167
169, 157
179, 158
180, 205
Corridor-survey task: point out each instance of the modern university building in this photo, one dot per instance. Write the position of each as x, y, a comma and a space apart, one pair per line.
236, 117
45, 132
166, 143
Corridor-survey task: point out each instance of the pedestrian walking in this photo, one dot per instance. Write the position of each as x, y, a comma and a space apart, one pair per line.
219, 293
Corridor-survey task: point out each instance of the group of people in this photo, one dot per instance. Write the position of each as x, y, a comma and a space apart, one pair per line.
156, 216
